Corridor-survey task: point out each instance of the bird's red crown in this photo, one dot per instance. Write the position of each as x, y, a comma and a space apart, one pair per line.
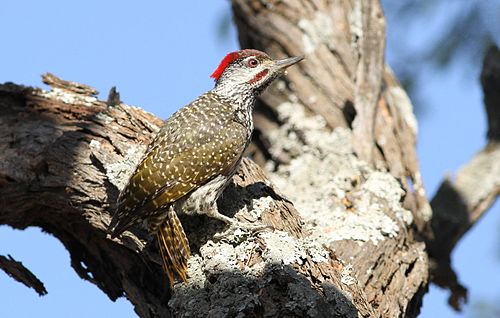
233, 56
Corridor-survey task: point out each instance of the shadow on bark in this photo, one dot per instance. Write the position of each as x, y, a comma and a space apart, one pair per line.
60, 174
280, 292
52, 181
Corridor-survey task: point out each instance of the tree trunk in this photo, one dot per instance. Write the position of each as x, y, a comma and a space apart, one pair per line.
342, 188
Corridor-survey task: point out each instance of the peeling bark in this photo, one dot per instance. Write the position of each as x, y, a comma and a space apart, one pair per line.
340, 105
342, 192
66, 154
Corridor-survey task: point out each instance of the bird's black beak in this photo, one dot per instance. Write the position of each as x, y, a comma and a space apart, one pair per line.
284, 63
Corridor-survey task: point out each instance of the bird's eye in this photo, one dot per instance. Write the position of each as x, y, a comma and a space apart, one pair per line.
253, 62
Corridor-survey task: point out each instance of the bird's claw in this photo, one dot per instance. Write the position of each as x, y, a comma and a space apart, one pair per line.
241, 227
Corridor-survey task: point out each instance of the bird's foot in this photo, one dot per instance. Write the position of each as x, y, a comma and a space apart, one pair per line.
237, 228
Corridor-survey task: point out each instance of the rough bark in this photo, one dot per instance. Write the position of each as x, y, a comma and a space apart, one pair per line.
341, 104
19, 272
64, 157
342, 189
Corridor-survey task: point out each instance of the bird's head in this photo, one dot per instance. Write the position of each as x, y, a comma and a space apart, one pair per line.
249, 71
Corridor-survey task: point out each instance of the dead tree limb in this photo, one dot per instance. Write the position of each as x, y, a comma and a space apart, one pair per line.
336, 136
461, 201
66, 154
19, 272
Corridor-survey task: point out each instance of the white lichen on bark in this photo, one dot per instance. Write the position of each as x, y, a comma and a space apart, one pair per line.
345, 199
119, 172
316, 31
227, 262
68, 97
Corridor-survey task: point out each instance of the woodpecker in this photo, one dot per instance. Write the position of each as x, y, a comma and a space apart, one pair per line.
194, 155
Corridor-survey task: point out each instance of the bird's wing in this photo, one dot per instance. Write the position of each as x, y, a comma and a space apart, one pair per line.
176, 165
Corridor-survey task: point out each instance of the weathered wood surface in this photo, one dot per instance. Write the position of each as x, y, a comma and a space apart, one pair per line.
65, 155
342, 187
340, 101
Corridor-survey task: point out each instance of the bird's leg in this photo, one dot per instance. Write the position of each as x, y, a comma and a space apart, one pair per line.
234, 224
214, 213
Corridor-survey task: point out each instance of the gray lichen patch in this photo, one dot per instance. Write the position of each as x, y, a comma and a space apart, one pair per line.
275, 247
104, 118
376, 207
258, 207
95, 144
118, 173
68, 97
397, 96
385, 190
317, 31
282, 248
338, 194
355, 18
222, 272
221, 284
346, 277
220, 257
315, 250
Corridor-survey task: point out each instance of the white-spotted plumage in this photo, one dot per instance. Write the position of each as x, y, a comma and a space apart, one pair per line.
194, 156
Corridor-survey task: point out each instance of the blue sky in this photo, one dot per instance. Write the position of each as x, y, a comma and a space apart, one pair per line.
160, 56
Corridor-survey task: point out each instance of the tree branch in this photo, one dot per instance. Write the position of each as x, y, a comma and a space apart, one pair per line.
64, 156
343, 42
459, 203
20, 273
353, 251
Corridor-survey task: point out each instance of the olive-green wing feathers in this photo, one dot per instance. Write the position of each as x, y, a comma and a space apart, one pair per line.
175, 165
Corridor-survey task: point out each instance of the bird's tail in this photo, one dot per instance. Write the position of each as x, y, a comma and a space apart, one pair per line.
174, 247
